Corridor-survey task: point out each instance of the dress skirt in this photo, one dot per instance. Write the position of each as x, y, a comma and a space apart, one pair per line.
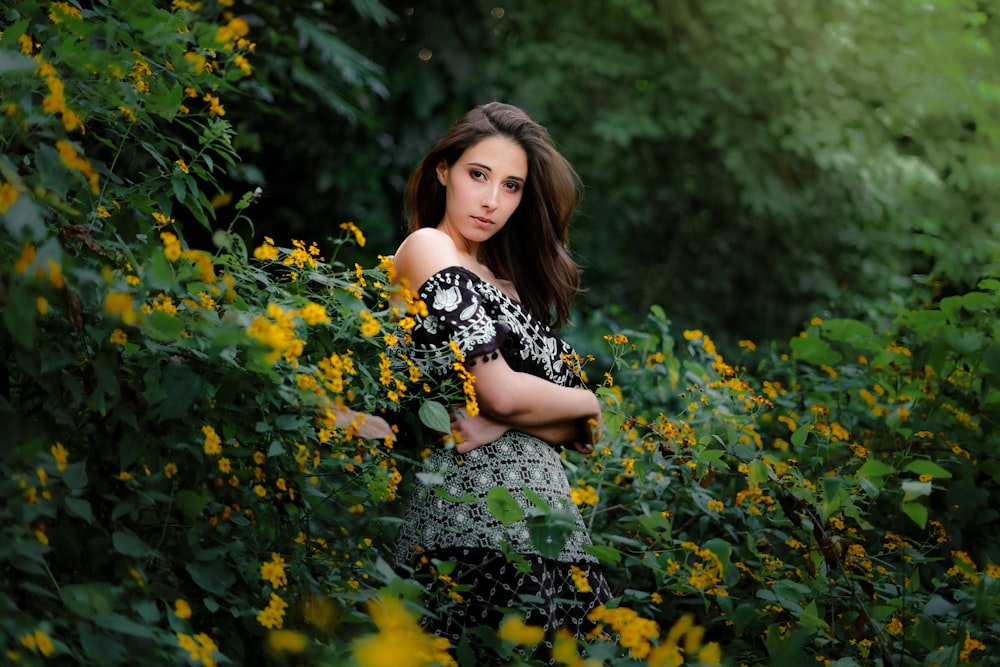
492, 567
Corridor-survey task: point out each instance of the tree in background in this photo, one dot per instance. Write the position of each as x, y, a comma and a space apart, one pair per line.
746, 163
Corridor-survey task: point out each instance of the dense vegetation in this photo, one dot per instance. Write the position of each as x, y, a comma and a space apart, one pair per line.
194, 467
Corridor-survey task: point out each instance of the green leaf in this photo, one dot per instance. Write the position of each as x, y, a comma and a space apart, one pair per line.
213, 576
847, 331
536, 499
75, 476
978, 301
435, 416
833, 495
928, 468
181, 387
873, 468
101, 649
80, 508
549, 533
503, 506
991, 359
814, 350
757, 472
603, 553
191, 503
128, 543
87, 600
917, 512
15, 63
126, 626
799, 436
20, 316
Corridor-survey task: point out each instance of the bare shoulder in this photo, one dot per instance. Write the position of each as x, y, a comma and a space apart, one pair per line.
422, 254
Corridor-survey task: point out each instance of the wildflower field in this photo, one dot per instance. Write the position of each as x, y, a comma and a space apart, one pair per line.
195, 469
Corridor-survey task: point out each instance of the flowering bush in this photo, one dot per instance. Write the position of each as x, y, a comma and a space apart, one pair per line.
192, 454
828, 503
202, 447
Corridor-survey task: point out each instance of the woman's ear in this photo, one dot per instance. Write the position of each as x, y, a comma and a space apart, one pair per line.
442, 172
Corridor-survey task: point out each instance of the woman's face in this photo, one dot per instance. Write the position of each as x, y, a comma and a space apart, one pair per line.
482, 190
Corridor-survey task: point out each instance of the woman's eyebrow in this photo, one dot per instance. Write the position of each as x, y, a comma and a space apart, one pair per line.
490, 169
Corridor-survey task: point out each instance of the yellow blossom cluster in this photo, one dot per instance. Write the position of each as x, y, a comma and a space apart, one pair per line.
273, 571
584, 494
70, 158
706, 574
38, 642
359, 237
580, 579
400, 641
277, 331
171, 246
55, 101
213, 443
301, 257
200, 648
468, 380
273, 615
516, 631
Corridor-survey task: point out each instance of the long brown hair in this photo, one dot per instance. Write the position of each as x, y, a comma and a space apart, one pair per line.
531, 249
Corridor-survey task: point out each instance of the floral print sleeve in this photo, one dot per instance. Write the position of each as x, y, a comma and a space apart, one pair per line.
455, 312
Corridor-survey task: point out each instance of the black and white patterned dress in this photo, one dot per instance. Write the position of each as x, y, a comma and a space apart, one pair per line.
448, 518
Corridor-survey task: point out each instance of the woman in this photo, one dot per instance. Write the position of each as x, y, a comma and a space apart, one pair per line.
489, 210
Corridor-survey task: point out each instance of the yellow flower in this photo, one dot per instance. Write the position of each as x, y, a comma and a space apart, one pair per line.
43, 643
266, 251
213, 446
169, 470
171, 246
401, 642
69, 157
273, 615
60, 454
182, 609
369, 325
580, 579
273, 571
314, 314
515, 631
286, 641
215, 107
118, 337
8, 195
359, 238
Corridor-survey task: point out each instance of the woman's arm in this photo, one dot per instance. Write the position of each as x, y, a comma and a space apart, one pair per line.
515, 400
472, 432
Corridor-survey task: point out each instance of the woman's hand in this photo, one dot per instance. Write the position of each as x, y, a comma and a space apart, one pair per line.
591, 430
472, 432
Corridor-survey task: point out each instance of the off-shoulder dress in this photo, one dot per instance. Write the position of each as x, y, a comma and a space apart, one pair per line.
448, 516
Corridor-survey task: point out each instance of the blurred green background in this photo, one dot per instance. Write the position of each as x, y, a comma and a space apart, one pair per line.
747, 163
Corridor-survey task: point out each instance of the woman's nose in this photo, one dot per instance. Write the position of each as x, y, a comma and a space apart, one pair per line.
490, 199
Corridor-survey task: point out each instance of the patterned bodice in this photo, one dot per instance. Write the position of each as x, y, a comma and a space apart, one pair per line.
480, 318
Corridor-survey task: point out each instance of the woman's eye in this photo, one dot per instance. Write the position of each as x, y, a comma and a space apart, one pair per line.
475, 173
513, 187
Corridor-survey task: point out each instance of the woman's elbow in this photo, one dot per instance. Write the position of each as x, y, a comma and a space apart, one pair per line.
500, 405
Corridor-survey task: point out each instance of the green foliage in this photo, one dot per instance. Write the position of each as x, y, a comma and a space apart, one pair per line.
831, 502
183, 467
194, 468
746, 164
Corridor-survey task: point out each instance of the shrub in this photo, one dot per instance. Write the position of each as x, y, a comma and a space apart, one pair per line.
201, 472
